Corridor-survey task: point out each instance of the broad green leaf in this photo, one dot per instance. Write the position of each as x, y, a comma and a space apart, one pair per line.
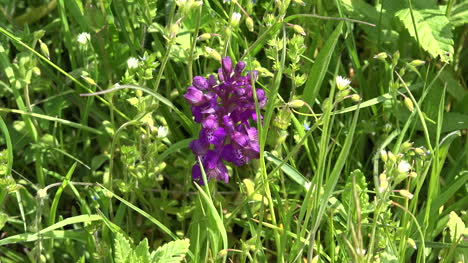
434, 31
361, 8
122, 248
459, 14
141, 252
361, 188
456, 226
172, 252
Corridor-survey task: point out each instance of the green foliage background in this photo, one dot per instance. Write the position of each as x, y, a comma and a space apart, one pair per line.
94, 131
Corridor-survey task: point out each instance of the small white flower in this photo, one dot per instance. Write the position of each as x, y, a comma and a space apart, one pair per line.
404, 167
236, 17
132, 63
162, 131
83, 38
342, 83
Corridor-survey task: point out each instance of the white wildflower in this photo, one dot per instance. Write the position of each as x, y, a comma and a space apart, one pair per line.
162, 131
404, 167
132, 63
235, 18
342, 83
83, 38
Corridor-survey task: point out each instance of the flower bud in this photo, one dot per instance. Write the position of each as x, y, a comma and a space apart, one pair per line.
406, 194
204, 37
383, 182
381, 56
174, 29
298, 29
392, 157
417, 62
356, 98
222, 253
89, 80
384, 156
413, 175
420, 151
36, 71
405, 146
396, 57
44, 49
409, 104
249, 23
213, 53
411, 243
296, 103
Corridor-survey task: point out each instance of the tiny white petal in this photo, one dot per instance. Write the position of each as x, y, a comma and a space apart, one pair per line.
132, 63
162, 131
342, 82
83, 38
404, 167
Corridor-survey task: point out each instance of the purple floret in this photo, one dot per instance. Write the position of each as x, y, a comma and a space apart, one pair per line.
224, 107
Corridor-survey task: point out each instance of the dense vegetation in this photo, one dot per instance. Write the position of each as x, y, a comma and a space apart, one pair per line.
360, 155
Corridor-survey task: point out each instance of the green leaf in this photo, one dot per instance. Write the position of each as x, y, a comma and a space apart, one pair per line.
361, 8
319, 69
433, 30
141, 252
456, 226
3, 219
172, 252
361, 189
459, 15
290, 171
122, 248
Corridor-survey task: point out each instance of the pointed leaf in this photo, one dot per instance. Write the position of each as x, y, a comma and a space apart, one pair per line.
172, 252
122, 248
434, 31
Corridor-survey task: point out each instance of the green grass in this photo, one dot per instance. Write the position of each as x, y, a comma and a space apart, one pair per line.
374, 172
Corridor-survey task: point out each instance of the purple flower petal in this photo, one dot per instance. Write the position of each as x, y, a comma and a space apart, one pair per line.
239, 68
212, 81
228, 123
194, 96
233, 155
210, 122
218, 136
211, 159
199, 147
200, 83
215, 137
196, 173
227, 67
197, 113
240, 139
220, 172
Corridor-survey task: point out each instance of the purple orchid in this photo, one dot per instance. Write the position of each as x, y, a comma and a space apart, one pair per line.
224, 108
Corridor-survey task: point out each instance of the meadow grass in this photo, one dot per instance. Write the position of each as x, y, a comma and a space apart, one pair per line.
362, 143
